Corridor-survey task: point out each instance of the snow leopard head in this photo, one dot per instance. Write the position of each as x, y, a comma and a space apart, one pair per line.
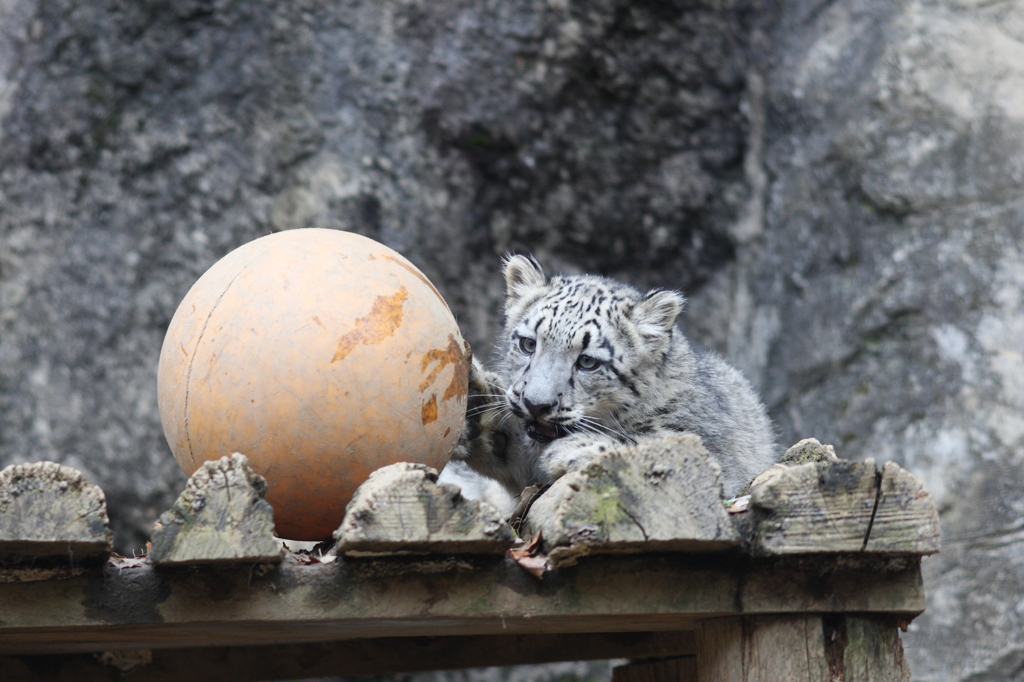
580, 353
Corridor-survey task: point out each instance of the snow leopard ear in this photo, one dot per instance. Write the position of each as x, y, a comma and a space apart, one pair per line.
522, 273
655, 314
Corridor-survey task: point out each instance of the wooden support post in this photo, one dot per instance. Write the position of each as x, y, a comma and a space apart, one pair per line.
800, 648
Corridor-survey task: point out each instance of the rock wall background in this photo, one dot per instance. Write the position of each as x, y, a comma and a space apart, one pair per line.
836, 184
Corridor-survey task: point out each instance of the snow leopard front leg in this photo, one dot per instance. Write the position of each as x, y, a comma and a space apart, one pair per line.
574, 452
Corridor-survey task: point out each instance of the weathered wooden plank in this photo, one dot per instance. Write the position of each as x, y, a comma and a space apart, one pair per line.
401, 509
345, 658
906, 521
873, 651
679, 669
800, 648
720, 650
755, 649
221, 517
842, 507
663, 495
50, 510
145, 607
815, 507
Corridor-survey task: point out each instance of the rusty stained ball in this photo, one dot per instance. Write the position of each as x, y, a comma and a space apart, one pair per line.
322, 356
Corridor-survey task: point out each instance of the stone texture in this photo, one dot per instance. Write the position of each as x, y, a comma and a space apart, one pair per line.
835, 184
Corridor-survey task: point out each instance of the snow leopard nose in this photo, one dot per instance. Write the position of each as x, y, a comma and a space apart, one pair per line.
538, 409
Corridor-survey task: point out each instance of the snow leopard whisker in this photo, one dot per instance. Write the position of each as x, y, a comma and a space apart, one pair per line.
502, 420
622, 430
480, 409
593, 429
596, 427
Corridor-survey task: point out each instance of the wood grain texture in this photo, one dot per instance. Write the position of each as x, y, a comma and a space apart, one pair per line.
800, 648
149, 607
50, 510
906, 521
787, 648
720, 650
873, 651
220, 518
401, 509
663, 495
842, 507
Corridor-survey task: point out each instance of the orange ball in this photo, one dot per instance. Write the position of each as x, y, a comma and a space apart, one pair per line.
320, 355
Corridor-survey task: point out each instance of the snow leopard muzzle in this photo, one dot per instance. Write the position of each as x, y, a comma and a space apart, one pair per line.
545, 433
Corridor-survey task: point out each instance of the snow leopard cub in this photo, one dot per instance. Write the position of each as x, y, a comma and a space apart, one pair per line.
587, 364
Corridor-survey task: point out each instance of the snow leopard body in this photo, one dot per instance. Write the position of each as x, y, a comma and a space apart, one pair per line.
587, 364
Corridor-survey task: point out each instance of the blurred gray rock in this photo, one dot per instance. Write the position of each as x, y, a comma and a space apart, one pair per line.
143, 140
882, 307
837, 185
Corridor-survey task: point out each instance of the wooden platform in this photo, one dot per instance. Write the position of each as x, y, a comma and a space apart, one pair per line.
734, 597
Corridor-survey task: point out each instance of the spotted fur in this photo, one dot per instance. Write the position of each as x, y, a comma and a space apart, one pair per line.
587, 364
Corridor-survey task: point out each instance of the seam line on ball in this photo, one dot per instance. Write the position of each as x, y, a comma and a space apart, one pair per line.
192, 359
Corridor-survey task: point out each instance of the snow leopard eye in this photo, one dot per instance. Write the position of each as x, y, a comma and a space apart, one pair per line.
587, 363
527, 345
